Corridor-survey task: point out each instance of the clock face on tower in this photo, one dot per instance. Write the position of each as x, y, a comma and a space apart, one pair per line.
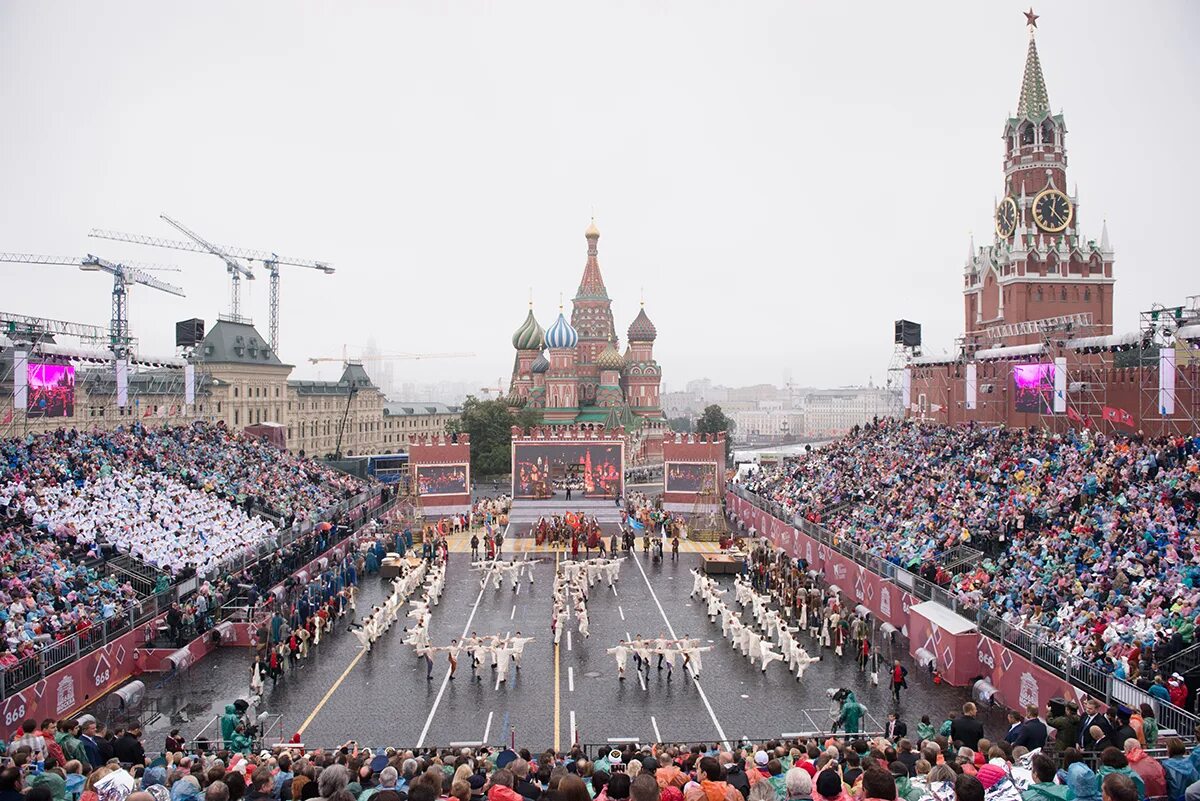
1006, 218
1052, 211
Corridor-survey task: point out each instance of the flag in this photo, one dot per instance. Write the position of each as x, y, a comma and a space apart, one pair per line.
1078, 418
1120, 416
636, 524
149, 411
8, 417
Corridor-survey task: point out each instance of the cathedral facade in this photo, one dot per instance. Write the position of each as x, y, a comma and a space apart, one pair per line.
574, 372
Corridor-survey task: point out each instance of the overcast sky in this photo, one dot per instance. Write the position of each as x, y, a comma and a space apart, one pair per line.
782, 179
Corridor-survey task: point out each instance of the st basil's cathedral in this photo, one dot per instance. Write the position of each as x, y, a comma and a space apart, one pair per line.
575, 374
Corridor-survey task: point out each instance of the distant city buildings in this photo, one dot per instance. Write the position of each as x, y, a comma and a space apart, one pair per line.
768, 413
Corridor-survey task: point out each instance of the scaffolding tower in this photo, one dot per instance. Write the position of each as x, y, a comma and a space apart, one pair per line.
88, 388
1170, 338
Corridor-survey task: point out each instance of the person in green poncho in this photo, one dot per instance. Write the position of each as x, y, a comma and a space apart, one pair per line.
850, 714
229, 723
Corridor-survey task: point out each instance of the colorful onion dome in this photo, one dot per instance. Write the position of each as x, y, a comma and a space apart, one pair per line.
530, 335
541, 364
561, 334
641, 329
609, 358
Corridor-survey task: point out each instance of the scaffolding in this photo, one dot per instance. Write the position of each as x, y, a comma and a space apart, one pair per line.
1087, 379
1170, 338
86, 394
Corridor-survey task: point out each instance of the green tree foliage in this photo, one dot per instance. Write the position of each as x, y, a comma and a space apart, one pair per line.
490, 422
712, 421
681, 425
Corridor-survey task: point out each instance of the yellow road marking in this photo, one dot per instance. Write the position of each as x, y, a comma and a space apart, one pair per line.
557, 745
336, 684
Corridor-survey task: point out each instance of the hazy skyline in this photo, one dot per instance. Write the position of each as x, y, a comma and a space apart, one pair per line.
781, 180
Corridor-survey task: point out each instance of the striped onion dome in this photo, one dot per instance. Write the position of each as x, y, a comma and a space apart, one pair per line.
530, 335
610, 359
541, 364
561, 334
641, 329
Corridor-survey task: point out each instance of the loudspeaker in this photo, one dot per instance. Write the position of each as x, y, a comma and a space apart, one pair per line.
189, 333
908, 333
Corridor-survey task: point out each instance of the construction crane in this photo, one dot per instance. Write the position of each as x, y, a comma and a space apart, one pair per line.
123, 275
271, 261
498, 389
390, 357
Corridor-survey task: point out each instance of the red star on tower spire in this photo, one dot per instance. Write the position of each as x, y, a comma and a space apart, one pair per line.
1030, 18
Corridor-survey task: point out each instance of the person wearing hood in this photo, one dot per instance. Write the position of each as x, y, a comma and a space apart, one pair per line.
904, 786
1154, 777
1083, 783
997, 784
1112, 760
229, 722
1180, 771
1045, 788
777, 779
186, 788
51, 780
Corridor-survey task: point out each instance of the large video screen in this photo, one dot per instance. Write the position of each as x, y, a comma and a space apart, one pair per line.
1034, 385
51, 390
590, 469
442, 479
691, 477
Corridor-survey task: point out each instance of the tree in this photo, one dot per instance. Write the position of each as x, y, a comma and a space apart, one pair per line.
712, 421
681, 425
490, 422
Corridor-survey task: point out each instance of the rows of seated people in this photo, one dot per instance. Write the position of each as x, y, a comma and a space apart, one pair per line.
83, 761
1092, 536
180, 499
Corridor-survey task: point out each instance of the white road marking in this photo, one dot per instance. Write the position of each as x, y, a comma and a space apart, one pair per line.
570, 679
572, 727
691, 670
622, 611
513, 613
657, 737
568, 641
488, 729
446, 679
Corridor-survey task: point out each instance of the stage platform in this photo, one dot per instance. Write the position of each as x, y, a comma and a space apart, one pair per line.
525, 513
719, 563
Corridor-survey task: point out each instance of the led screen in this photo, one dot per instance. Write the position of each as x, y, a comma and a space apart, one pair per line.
593, 469
51, 390
442, 479
685, 477
1034, 385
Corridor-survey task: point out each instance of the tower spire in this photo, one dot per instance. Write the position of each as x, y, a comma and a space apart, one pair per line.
592, 285
1034, 102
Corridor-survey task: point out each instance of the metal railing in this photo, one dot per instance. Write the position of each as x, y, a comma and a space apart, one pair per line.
1084, 675
54, 655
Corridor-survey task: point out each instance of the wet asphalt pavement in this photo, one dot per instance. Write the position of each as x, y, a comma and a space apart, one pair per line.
384, 698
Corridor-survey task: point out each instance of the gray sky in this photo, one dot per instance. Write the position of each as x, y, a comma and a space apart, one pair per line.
783, 179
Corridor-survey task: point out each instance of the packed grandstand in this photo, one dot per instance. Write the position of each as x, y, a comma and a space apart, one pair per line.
1090, 537
183, 500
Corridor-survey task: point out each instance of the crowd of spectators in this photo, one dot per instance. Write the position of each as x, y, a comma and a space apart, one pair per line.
1090, 536
181, 499
74, 761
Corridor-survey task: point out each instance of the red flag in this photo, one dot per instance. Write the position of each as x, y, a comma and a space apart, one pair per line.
8, 417
1078, 418
1120, 416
